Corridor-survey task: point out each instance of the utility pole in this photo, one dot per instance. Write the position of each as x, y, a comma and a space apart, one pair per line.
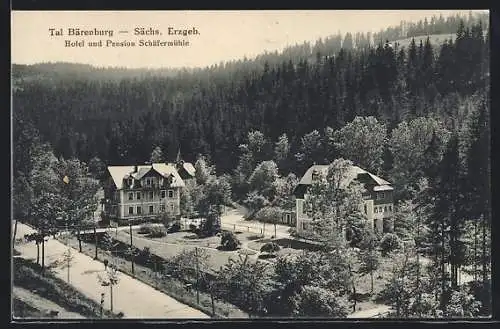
197, 277
131, 248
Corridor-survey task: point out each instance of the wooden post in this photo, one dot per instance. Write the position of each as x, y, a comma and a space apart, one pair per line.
131, 248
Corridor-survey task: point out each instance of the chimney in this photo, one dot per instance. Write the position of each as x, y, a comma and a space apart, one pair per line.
135, 168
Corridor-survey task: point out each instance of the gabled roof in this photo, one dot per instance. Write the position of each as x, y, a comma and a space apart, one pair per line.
353, 173
118, 173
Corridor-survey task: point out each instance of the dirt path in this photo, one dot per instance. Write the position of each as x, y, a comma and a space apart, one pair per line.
43, 304
234, 220
132, 297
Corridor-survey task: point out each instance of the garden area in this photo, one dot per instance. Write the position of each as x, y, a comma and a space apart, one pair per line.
158, 257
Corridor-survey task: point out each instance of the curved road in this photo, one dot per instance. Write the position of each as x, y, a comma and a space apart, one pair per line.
132, 297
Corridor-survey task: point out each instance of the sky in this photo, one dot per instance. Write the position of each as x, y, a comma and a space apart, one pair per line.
223, 35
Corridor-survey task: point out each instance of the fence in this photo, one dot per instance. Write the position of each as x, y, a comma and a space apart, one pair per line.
268, 229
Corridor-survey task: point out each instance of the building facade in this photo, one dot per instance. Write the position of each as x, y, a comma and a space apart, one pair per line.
377, 195
142, 192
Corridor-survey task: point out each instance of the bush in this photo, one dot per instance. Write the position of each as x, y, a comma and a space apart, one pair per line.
176, 227
145, 229
157, 232
229, 241
270, 247
318, 302
389, 243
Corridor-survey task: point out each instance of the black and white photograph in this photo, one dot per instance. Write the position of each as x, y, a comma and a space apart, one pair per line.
250, 164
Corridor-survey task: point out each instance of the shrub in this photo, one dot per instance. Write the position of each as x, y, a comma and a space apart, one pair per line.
157, 232
145, 229
229, 241
176, 227
389, 243
315, 301
270, 247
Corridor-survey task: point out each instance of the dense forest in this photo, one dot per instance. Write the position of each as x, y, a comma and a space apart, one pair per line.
417, 115
210, 112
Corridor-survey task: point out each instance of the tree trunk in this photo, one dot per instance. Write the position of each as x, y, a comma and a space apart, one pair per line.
111, 296
43, 254
476, 242
371, 282
79, 239
443, 270
96, 242
213, 303
14, 235
38, 253
484, 260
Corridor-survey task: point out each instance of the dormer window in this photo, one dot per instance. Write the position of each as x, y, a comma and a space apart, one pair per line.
315, 175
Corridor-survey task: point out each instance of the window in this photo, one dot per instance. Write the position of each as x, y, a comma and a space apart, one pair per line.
385, 208
162, 208
163, 193
172, 206
148, 182
130, 210
170, 193
139, 210
376, 209
390, 208
138, 195
130, 181
131, 196
151, 195
380, 209
381, 195
151, 209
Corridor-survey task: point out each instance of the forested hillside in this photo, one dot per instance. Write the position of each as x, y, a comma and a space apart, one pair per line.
211, 111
